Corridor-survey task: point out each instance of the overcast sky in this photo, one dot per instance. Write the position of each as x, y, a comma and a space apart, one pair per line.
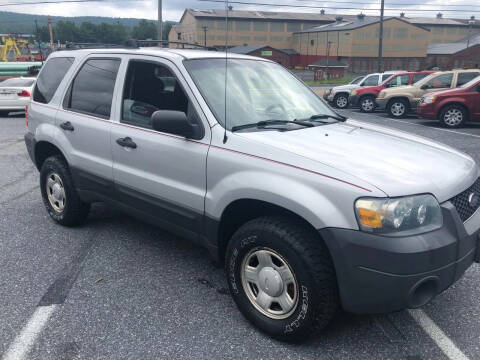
173, 9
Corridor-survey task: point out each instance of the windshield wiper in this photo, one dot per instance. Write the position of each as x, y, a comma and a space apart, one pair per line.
264, 123
323, 116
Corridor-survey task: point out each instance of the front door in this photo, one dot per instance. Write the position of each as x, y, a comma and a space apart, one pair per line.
160, 176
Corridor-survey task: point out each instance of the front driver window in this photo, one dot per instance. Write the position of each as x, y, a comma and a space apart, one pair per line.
150, 87
371, 81
441, 81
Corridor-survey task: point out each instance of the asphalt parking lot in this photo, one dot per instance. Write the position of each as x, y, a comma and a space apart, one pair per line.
117, 288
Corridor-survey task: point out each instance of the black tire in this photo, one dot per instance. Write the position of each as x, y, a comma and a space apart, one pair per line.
453, 116
74, 211
394, 107
367, 104
310, 262
340, 101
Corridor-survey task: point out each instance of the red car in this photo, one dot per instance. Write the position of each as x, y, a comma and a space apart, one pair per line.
452, 107
364, 97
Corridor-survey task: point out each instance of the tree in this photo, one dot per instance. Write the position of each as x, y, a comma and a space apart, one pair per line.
145, 30
166, 29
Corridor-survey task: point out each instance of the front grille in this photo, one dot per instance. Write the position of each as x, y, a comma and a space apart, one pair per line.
461, 201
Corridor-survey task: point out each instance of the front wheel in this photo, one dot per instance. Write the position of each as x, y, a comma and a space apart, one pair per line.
397, 108
367, 104
453, 116
59, 194
340, 101
281, 277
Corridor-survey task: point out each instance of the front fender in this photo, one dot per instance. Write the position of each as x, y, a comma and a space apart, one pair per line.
299, 197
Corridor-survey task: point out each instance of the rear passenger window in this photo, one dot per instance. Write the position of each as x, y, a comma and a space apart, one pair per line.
417, 77
150, 87
385, 77
465, 77
91, 91
50, 77
371, 81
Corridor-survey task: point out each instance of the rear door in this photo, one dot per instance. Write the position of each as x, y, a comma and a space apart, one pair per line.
85, 121
161, 176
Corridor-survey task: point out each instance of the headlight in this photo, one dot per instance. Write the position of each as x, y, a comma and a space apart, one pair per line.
354, 92
429, 99
381, 95
400, 216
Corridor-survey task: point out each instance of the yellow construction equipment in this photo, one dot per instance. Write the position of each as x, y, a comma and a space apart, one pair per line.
10, 50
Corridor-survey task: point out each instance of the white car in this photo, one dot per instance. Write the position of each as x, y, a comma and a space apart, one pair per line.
15, 94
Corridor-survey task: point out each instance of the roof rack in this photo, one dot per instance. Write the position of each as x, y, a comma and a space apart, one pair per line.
78, 46
137, 43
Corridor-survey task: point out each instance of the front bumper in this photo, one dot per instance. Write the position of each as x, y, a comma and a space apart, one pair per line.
381, 103
427, 111
378, 274
353, 100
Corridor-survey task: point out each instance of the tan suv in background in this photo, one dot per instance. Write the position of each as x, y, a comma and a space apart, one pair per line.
399, 101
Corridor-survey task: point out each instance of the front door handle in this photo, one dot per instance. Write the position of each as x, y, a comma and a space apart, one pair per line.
67, 125
127, 142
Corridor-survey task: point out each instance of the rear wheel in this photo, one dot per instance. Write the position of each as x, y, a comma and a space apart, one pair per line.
340, 101
59, 194
281, 277
397, 108
367, 104
453, 116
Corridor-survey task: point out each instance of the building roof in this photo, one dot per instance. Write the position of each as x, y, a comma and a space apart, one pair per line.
331, 63
433, 21
358, 22
247, 49
454, 47
263, 15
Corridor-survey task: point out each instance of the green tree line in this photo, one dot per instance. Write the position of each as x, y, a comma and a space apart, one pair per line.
68, 31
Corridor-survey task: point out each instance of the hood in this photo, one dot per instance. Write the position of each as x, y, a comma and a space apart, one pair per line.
347, 87
395, 162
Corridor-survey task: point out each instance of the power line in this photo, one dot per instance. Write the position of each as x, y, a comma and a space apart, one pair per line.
396, 4
331, 7
60, 2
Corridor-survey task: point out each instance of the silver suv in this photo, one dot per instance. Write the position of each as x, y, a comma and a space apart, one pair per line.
308, 211
338, 96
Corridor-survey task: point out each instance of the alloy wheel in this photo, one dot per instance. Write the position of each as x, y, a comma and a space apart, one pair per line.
56, 192
342, 102
453, 117
397, 109
367, 104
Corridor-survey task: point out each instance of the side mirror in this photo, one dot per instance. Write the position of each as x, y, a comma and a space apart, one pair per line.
174, 122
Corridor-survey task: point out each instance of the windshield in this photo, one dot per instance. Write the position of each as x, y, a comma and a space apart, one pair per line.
17, 82
470, 83
256, 91
357, 80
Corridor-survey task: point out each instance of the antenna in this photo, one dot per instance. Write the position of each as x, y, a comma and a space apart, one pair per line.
226, 73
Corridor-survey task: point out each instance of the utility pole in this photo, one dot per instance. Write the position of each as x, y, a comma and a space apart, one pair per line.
471, 22
380, 39
160, 23
328, 54
39, 41
205, 28
50, 31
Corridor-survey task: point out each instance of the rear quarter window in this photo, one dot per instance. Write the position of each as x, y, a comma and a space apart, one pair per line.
50, 77
465, 77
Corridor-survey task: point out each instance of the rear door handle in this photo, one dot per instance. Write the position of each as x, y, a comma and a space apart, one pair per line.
67, 125
127, 142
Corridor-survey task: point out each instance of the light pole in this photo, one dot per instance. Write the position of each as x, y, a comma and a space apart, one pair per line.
160, 24
471, 22
380, 39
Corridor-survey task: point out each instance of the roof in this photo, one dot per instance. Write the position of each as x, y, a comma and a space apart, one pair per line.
353, 24
331, 63
433, 21
454, 47
247, 49
263, 15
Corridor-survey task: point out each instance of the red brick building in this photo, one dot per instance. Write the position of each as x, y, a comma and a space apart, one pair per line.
463, 54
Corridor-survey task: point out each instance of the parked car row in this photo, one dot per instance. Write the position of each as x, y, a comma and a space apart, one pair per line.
452, 97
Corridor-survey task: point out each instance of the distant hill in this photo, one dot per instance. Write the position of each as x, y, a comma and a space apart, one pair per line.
12, 22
